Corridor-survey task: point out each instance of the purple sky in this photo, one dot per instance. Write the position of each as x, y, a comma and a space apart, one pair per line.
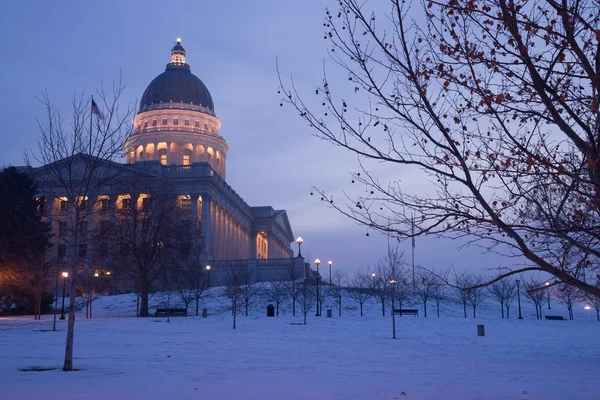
70, 47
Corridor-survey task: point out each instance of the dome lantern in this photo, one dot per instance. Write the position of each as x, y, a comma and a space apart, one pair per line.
178, 53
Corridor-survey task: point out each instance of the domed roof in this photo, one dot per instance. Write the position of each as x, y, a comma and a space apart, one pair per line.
177, 85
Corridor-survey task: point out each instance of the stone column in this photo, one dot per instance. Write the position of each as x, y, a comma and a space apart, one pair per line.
181, 150
144, 152
213, 232
168, 153
228, 238
155, 155
205, 225
217, 231
194, 233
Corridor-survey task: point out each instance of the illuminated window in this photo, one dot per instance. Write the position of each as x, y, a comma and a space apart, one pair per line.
186, 122
126, 203
175, 121
197, 124
163, 159
41, 204
146, 204
64, 206
186, 159
104, 204
164, 121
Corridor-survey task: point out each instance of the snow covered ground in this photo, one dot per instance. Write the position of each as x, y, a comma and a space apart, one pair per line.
122, 357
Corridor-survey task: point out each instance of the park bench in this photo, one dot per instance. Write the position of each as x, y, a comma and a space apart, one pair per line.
556, 317
404, 311
172, 312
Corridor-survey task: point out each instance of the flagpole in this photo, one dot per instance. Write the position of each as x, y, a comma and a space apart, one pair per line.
91, 124
412, 218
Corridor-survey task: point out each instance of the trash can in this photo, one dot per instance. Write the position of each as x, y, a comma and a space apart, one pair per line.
480, 330
204, 312
270, 310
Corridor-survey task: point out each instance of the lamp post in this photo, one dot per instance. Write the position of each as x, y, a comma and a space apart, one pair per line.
208, 275
299, 241
519, 298
393, 283
548, 291
318, 314
65, 275
330, 262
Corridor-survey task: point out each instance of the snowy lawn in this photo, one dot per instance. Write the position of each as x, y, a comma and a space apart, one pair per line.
121, 357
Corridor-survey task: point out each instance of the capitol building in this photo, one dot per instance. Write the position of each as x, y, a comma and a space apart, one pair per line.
175, 144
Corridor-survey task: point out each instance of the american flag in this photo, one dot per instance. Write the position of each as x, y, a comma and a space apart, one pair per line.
96, 110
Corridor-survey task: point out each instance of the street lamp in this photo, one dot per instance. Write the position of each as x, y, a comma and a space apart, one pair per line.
299, 241
548, 291
330, 262
65, 275
519, 298
208, 275
317, 261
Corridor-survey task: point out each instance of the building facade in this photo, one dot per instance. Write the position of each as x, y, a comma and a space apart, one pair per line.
176, 151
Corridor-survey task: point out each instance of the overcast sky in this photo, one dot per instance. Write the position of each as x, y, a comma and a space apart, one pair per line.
72, 46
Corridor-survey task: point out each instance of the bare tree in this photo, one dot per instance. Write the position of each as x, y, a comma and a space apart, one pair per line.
307, 297
504, 293
360, 288
92, 285
426, 287
237, 277
339, 280
293, 276
476, 295
594, 301
462, 281
440, 292
276, 292
534, 292
76, 158
496, 102
146, 236
191, 282
569, 295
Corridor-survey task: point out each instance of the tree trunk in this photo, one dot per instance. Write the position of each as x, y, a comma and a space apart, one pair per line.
304, 318
197, 299
474, 316
293, 307
87, 310
277, 309
507, 314
383, 306
144, 312
502, 309
234, 312
91, 308
340, 305
465, 309
598, 314
425, 308
361, 311
438, 309
247, 302
68, 364
393, 321
137, 304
